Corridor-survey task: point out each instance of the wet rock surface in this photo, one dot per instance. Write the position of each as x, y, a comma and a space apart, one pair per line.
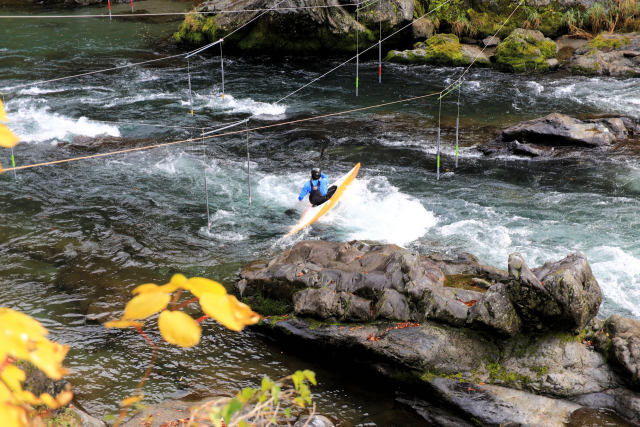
557, 135
519, 352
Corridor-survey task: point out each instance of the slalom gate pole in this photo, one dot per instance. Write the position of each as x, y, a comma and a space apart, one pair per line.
248, 163
438, 146
222, 70
204, 173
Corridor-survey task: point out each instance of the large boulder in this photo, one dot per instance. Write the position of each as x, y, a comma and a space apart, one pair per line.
525, 51
619, 340
293, 27
560, 295
558, 134
608, 54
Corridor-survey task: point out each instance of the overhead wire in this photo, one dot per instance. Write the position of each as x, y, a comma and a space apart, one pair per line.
364, 51
138, 15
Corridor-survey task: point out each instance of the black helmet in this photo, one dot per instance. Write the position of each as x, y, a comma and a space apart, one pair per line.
315, 173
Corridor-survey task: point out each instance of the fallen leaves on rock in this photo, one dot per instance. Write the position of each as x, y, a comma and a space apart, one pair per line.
470, 303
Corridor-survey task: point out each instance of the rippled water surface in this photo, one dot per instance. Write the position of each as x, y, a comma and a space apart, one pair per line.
76, 237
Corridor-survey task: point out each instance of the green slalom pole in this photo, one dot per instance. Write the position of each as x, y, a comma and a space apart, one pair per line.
13, 164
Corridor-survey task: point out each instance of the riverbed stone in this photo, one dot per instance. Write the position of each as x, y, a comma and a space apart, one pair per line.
558, 295
558, 134
495, 311
608, 54
619, 339
525, 51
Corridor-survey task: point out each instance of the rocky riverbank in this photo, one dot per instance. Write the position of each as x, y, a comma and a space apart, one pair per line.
457, 33
518, 346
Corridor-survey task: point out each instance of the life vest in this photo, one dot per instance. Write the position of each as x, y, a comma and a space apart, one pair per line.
315, 196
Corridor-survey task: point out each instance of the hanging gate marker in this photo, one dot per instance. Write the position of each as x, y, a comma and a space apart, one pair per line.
438, 146
357, 46
131, 6
189, 79
248, 162
380, 42
458, 123
222, 69
204, 173
109, 4
13, 164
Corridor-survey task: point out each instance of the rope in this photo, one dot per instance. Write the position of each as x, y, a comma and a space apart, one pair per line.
137, 15
227, 127
166, 144
366, 50
438, 147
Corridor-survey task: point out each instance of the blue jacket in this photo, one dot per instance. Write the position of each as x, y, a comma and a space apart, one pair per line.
324, 186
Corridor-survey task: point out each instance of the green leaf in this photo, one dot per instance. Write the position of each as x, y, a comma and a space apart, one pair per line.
266, 383
311, 376
297, 379
275, 392
287, 412
231, 408
246, 394
243, 423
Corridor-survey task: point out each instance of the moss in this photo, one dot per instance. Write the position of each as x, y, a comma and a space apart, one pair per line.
551, 23
499, 375
440, 49
462, 281
432, 373
484, 24
191, 30
522, 53
267, 306
601, 42
540, 370
63, 418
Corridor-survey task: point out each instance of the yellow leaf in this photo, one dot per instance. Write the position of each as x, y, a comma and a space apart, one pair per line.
64, 397
179, 328
7, 138
147, 287
27, 397
219, 307
178, 280
131, 400
48, 400
199, 286
12, 415
144, 305
122, 324
48, 358
14, 323
3, 115
13, 377
243, 312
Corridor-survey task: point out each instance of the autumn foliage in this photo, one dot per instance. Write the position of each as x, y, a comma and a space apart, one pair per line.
23, 338
7, 138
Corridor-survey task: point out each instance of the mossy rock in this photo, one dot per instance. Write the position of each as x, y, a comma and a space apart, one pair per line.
525, 51
487, 23
440, 49
196, 30
608, 42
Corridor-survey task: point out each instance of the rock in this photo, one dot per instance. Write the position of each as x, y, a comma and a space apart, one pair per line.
596, 417
525, 51
481, 283
608, 54
557, 134
314, 421
557, 295
491, 41
493, 405
439, 49
422, 29
86, 420
619, 340
472, 52
315, 30
495, 311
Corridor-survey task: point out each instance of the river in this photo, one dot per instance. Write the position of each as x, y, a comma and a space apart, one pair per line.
76, 237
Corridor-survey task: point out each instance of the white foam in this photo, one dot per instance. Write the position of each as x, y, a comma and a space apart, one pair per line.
263, 110
370, 208
535, 87
39, 124
618, 273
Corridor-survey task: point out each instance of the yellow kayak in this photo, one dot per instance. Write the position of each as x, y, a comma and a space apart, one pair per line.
312, 214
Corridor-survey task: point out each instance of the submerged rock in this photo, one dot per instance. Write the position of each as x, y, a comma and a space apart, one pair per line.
542, 137
608, 54
501, 348
525, 51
